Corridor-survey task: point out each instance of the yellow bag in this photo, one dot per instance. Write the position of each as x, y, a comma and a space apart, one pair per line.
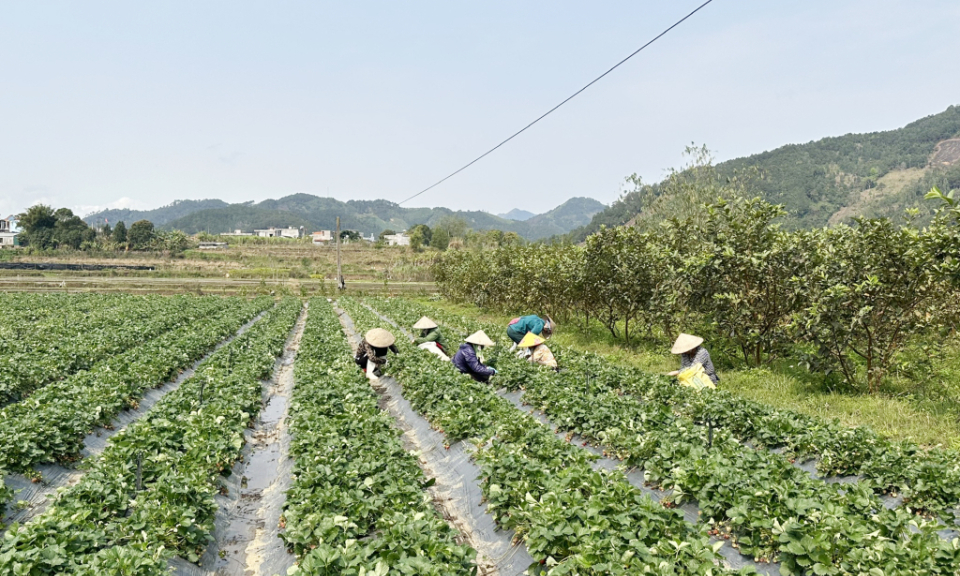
695, 377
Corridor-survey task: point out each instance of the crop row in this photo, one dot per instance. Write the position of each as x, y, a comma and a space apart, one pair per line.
46, 309
34, 355
23, 309
358, 501
573, 519
50, 425
771, 508
32, 319
928, 480
150, 495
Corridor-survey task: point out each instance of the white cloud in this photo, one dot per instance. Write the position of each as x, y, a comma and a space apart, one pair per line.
120, 203
6, 207
11, 206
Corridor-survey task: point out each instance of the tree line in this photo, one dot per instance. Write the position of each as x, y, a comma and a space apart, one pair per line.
46, 228
455, 232
842, 300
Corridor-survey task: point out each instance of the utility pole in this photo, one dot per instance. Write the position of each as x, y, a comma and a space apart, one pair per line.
341, 285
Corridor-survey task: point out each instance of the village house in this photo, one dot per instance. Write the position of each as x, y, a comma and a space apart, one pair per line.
289, 232
8, 238
400, 239
322, 237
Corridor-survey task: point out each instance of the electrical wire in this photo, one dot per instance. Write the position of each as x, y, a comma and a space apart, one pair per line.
550, 111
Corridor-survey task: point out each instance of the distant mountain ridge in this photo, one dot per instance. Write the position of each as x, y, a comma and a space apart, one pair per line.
159, 216
517, 214
837, 178
366, 216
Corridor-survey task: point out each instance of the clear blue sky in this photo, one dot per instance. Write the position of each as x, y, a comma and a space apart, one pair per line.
125, 103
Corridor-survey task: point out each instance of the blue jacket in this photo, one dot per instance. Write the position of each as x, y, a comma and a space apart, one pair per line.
531, 323
467, 362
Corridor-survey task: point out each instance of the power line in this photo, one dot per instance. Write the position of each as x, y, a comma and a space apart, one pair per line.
550, 111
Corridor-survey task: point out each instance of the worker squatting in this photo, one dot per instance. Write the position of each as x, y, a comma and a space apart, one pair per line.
529, 335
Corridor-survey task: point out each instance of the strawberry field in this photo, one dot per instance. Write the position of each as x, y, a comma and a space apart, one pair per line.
893, 512
599, 468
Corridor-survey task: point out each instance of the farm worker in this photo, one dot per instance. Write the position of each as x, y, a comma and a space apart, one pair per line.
519, 327
539, 353
691, 352
430, 338
372, 351
468, 359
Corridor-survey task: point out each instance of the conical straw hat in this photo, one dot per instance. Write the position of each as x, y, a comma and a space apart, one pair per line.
530, 340
685, 343
424, 324
480, 338
379, 338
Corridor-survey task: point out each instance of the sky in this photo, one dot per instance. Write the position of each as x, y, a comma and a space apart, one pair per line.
136, 104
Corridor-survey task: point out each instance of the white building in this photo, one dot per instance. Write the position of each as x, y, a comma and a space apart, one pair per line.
400, 239
8, 238
237, 233
289, 232
322, 236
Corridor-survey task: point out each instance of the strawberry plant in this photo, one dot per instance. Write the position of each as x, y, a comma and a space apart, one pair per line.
358, 504
124, 512
573, 519
929, 480
747, 493
50, 425
76, 338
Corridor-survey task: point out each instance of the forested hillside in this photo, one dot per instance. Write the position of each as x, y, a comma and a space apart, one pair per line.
833, 179
159, 216
236, 217
569, 215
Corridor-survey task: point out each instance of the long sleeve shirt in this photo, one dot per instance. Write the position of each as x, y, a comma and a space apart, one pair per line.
432, 336
543, 356
367, 353
466, 362
699, 354
524, 324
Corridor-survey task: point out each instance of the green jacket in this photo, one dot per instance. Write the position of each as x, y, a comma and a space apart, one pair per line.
432, 336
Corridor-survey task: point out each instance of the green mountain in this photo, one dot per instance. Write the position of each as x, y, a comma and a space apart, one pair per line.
159, 216
370, 216
573, 213
236, 217
517, 214
837, 178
